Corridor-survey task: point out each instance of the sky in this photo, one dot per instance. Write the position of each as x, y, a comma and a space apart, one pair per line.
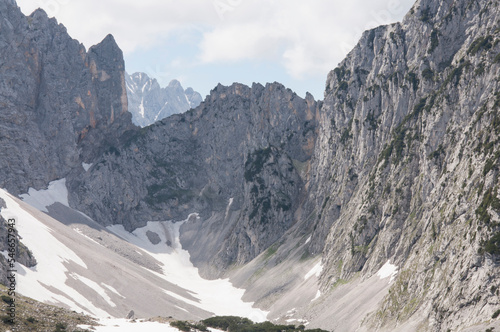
205, 42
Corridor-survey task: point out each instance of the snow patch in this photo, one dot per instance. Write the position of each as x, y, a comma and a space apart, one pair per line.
388, 270
316, 270
308, 239
141, 107
79, 231
217, 296
228, 207
302, 321
113, 290
211, 329
181, 308
55, 193
124, 325
181, 298
128, 87
86, 166
51, 255
157, 115
318, 295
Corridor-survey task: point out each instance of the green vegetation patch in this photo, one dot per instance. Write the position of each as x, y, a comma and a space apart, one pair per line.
428, 74
187, 327
481, 43
239, 324
434, 40
412, 78
255, 163
341, 73
491, 246
490, 199
496, 314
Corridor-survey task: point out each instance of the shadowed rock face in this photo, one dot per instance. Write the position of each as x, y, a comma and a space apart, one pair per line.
59, 105
242, 145
56, 100
148, 102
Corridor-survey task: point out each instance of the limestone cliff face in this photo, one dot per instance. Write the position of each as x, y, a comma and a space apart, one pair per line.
406, 164
235, 159
55, 99
59, 105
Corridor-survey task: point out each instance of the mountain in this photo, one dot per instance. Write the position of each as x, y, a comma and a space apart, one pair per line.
60, 105
374, 210
236, 160
108, 271
148, 102
406, 166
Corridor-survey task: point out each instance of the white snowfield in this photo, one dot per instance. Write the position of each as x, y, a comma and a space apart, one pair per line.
51, 255
217, 296
388, 270
315, 271
125, 325
108, 272
56, 192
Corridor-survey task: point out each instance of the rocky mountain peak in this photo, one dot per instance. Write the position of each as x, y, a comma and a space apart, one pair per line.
69, 105
175, 84
149, 102
260, 135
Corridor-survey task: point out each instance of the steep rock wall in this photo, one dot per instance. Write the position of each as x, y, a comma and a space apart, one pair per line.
406, 164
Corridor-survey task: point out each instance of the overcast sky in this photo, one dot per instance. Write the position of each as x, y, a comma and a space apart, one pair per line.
204, 42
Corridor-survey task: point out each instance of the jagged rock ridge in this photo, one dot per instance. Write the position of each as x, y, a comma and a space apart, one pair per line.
406, 165
236, 159
56, 99
148, 102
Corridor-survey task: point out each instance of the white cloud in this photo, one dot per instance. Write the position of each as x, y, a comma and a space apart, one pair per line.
306, 38
135, 24
241, 42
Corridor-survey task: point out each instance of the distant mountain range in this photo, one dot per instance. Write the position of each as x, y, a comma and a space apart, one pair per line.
149, 102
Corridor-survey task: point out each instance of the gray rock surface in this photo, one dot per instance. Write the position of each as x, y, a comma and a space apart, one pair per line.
406, 165
59, 105
56, 99
241, 145
148, 102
